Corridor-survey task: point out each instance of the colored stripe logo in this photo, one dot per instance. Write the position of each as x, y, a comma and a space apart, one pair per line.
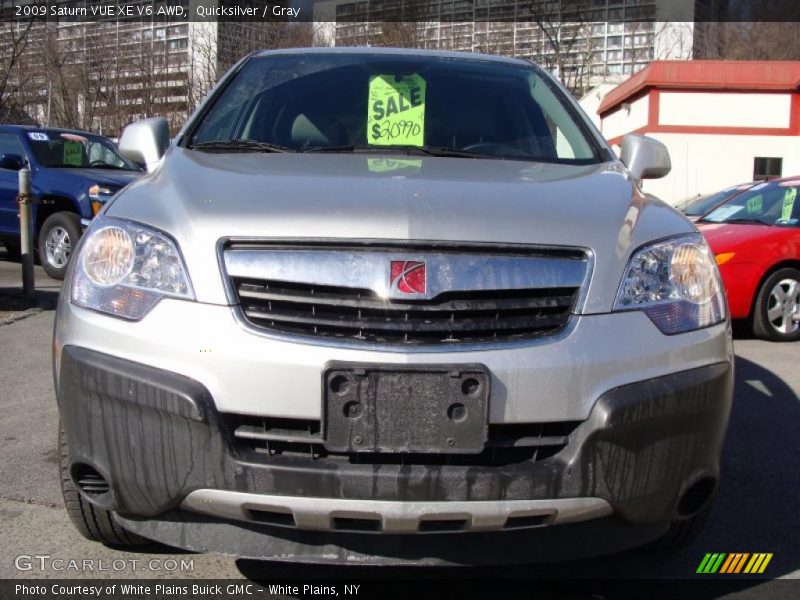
734, 563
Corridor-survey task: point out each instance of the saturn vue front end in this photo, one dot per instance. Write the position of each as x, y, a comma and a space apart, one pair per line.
389, 306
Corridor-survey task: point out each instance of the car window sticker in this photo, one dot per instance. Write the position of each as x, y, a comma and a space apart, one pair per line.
755, 204
722, 213
788, 204
396, 110
38, 136
75, 137
73, 153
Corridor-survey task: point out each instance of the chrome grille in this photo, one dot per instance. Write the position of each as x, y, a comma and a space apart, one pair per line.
469, 297
347, 313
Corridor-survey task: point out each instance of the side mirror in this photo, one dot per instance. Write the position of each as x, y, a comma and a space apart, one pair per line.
145, 142
12, 162
645, 157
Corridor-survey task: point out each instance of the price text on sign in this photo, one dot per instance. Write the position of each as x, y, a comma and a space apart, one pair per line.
73, 154
396, 110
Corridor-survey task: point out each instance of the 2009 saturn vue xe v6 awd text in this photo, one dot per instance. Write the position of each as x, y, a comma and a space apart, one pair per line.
391, 306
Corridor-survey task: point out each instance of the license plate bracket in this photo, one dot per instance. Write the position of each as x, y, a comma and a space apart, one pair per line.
426, 409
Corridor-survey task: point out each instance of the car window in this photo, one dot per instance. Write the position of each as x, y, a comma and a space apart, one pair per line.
702, 205
323, 101
10, 144
57, 149
766, 204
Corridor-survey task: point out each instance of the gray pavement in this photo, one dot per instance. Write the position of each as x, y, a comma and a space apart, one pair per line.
756, 509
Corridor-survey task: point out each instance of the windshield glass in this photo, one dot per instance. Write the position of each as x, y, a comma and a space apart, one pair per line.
369, 103
60, 149
702, 205
773, 203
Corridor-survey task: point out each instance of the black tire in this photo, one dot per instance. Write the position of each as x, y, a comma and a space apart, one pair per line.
92, 522
683, 533
63, 226
771, 320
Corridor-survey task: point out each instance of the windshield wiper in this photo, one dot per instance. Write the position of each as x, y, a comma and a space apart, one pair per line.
409, 150
743, 221
239, 145
115, 167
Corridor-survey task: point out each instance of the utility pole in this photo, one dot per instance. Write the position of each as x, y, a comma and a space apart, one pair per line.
49, 95
26, 230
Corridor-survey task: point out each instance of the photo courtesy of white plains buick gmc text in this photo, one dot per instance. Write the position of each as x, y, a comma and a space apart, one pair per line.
391, 307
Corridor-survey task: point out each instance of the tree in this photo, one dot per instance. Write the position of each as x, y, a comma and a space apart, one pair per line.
215, 47
565, 46
736, 40
748, 31
16, 76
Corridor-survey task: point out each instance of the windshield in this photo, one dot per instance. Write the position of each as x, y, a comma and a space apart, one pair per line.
60, 149
703, 204
416, 104
772, 203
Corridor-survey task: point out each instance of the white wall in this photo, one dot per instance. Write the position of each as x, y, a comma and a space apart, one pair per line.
707, 163
623, 121
592, 99
718, 109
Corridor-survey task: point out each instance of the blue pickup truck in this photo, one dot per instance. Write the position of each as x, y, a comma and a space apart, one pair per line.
73, 173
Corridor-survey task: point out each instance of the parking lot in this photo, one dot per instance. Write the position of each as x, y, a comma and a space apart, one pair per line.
756, 509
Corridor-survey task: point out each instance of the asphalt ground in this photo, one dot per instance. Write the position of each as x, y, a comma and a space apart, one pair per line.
756, 508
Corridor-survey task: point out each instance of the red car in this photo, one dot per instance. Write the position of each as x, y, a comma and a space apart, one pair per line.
696, 208
755, 237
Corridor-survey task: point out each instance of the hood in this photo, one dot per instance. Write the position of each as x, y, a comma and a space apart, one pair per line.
108, 177
724, 237
200, 198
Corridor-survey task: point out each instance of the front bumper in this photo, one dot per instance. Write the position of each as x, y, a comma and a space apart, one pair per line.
159, 439
558, 378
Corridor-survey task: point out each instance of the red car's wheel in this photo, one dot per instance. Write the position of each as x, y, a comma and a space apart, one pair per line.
776, 315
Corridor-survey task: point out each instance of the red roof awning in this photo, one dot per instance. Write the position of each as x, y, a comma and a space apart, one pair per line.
750, 75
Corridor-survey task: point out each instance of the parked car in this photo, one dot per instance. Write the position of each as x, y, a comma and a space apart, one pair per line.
392, 306
73, 174
696, 208
756, 239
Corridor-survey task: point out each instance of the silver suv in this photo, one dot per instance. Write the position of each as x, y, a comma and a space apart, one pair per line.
395, 306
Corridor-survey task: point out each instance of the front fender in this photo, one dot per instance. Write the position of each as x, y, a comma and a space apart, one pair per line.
47, 186
741, 283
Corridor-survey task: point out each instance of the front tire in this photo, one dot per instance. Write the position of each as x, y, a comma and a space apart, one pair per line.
776, 312
57, 239
92, 522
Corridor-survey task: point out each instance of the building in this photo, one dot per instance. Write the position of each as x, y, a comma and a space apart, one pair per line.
608, 42
724, 122
103, 75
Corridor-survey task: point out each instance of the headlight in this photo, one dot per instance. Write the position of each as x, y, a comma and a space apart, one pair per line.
676, 282
99, 195
124, 269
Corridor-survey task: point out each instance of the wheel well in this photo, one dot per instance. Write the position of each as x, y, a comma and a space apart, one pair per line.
784, 264
50, 205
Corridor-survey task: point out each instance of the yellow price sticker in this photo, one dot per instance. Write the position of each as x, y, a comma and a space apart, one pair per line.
396, 110
788, 204
73, 153
754, 204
